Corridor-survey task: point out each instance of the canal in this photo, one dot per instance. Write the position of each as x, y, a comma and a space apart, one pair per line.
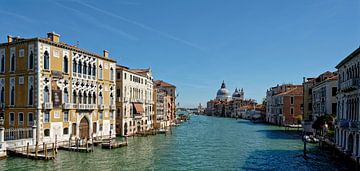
205, 143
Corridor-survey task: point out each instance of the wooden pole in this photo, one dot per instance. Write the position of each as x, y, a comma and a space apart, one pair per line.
54, 149
36, 149
27, 149
45, 151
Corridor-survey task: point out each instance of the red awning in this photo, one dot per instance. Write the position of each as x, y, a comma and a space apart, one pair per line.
139, 108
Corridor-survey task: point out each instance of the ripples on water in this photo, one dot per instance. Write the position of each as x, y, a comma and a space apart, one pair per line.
203, 143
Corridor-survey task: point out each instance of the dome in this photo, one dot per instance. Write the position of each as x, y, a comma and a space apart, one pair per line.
223, 93
236, 93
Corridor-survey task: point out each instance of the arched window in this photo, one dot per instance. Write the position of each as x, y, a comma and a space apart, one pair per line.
65, 64
79, 67
100, 72
31, 60
74, 97
89, 69
111, 99
89, 98
85, 98
46, 95
12, 96
85, 69
31, 95
111, 74
12, 63
94, 70
100, 98
66, 96
80, 98
2, 95
74, 66
46, 60
2, 63
94, 98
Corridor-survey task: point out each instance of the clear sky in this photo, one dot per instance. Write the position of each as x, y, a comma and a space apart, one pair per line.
195, 44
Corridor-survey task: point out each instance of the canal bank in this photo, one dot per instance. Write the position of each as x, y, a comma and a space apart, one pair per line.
203, 142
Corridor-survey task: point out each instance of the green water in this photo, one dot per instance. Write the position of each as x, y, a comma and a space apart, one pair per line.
202, 143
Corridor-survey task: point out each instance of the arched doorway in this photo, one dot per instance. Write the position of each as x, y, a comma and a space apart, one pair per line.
350, 143
84, 128
125, 128
138, 126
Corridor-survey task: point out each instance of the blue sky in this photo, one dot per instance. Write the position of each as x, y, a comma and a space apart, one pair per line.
195, 44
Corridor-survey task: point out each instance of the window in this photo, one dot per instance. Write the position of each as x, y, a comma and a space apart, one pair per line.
111, 99
21, 53
31, 96
85, 69
94, 98
12, 118
2, 63
66, 96
101, 115
66, 64
46, 117
74, 97
66, 131
334, 90
89, 70
292, 111
111, 74
79, 67
111, 115
334, 108
74, 66
100, 72
66, 116
20, 118
46, 95
31, 60
100, 98
47, 132
117, 92
12, 62
118, 75
30, 119
291, 100
310, 106
124, 76
2, 95
100, 127
12, 96
89, 98
46, 60
94, 70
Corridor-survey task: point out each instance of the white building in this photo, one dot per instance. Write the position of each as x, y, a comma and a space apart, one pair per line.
324, 97
347, 136
134, 100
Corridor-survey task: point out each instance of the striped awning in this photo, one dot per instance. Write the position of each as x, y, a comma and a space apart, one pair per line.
138, 108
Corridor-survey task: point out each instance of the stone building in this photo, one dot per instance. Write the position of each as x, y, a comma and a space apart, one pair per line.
134, 100
347, 136
61, 90
165, 103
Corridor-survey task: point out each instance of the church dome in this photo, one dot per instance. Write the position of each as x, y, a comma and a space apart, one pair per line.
236, 93
223, 93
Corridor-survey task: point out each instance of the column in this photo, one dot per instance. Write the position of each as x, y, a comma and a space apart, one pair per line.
34, 133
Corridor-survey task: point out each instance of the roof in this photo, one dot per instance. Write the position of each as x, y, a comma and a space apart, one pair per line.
59, 44
292, 91
161, 83
142, 72
348, 58
134, 71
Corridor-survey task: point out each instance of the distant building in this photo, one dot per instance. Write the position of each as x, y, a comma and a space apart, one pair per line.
165, 106
225, 105
284, 104
347, 136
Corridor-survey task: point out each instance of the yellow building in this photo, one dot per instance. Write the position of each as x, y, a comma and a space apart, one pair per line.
64, 91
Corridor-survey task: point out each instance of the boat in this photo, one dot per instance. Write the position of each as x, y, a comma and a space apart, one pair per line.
310, 139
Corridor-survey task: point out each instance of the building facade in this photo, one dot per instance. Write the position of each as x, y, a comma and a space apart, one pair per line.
347, 136
62, 90
284, 104
165, 104
134, 100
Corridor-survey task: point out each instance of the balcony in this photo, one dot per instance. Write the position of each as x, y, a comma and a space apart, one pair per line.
349, 85
74, 74
93, 77
67, 105
112, 107
101, 106
75, 106
137, 116
82, 106
47, 105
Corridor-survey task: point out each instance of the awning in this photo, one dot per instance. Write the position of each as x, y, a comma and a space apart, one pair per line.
139, 108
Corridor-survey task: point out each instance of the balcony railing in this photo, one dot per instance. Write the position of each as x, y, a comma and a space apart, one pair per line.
349, 85
137, 116
47, 105
112, 107
67, 105
75, 106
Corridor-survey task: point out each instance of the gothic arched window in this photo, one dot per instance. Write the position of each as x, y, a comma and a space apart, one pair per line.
46, 60
31, 95
65, 64
31, 60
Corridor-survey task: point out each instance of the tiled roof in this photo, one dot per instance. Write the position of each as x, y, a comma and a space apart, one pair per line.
161, 83
293, 91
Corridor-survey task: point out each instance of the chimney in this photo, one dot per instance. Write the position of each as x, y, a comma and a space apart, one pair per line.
106, 53
53, 36
10, 39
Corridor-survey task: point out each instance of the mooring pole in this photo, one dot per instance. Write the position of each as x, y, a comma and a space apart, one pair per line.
36, 149
54, 148
45, 148
27, 149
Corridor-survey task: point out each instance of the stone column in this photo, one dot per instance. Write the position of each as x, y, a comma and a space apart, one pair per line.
34, 133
